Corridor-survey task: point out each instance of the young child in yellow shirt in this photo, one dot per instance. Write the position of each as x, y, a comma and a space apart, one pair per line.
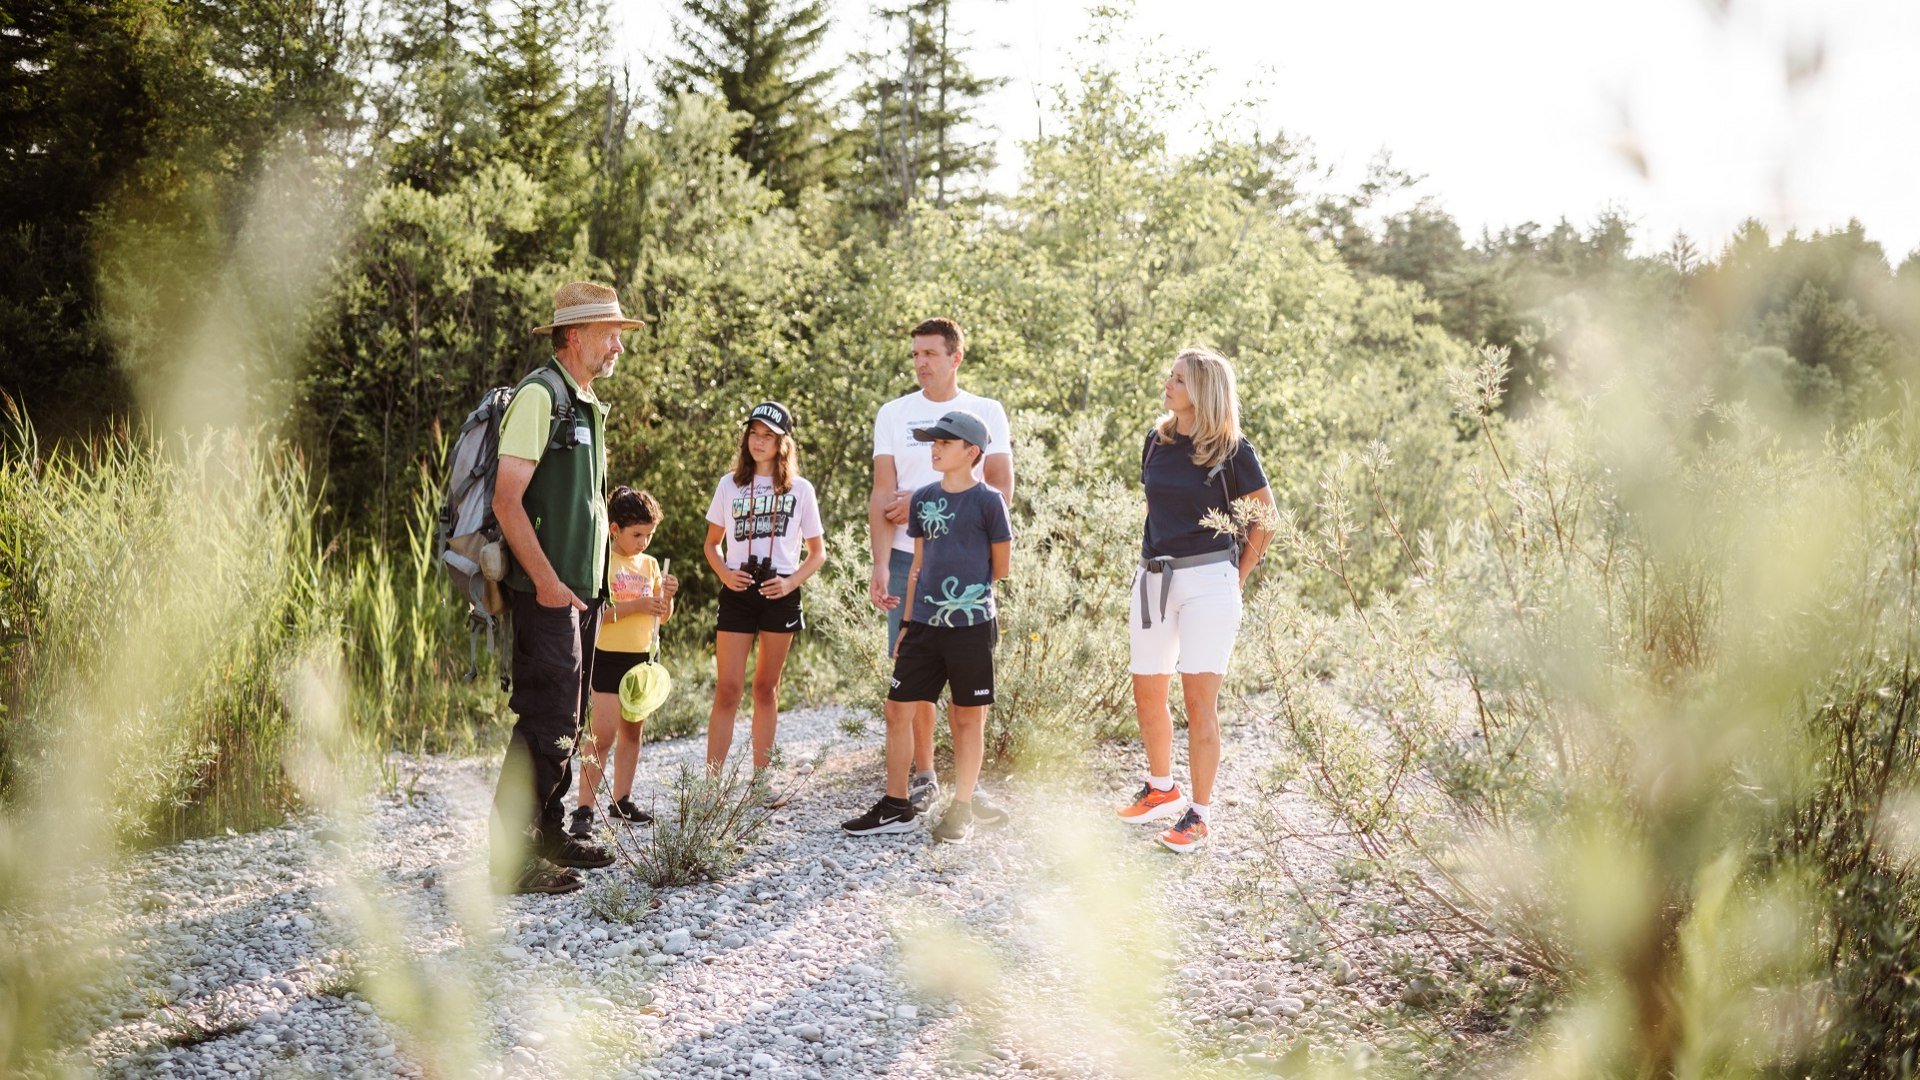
642, 598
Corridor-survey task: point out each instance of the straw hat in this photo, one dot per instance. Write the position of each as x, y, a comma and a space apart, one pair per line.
579, 302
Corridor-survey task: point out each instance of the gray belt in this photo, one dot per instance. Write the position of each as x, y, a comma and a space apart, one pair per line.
1165, 565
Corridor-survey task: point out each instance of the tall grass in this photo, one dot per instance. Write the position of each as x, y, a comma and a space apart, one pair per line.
1641, 724
180, 701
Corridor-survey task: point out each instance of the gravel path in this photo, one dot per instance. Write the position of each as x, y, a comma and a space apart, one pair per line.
1064, 945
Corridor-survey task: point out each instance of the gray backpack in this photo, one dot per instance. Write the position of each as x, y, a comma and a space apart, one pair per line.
469, 540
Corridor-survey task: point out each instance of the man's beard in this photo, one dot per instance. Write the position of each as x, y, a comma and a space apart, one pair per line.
607, 366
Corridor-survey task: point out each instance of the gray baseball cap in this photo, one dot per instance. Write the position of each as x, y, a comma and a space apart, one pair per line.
957, 424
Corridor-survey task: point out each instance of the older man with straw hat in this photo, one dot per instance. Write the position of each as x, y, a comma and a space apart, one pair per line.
550, 500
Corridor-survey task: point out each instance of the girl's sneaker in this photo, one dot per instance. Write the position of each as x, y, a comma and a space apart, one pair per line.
986, 811
1187, 834
1152, 804
580, 826
623, 809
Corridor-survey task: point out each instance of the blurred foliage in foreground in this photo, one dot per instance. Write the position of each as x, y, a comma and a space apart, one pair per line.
1600, 649
1643, 725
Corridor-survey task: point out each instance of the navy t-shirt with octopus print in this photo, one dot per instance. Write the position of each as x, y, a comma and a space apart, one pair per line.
958, 530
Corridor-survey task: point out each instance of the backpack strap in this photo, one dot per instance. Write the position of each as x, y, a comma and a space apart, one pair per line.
1223, 470
560, 424
1146, 451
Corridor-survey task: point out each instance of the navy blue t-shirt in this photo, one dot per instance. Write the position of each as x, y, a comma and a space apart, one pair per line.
957, 531
1179, 494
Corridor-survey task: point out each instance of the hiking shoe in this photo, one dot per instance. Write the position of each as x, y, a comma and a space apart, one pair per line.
622, 809
986, 812
922, 790
542, 877
1152, 804
580, 825
884, 817
956, 825
1187, 833
571, 852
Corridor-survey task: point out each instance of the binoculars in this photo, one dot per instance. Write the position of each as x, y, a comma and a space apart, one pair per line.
759, 568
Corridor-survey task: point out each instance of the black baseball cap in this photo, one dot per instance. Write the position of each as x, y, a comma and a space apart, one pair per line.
774, 415
957, 424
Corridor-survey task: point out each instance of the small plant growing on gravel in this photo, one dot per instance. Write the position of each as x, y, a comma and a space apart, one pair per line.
711, 821
616, 899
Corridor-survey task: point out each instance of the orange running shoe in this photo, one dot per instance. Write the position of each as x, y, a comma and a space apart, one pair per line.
1187, 833
1152, 804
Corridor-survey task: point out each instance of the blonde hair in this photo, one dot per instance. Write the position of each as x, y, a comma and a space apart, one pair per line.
1216, 407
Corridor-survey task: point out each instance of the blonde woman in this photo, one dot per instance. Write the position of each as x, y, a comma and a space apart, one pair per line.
1185, 610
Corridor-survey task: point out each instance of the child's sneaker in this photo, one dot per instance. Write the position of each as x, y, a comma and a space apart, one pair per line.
580, 826
922, 790
1152, 804
886, 816
956, 825
622, 809
1188, 833
987, 812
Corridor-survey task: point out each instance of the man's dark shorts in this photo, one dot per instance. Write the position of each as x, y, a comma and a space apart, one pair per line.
748, 612
934, 657
552, 662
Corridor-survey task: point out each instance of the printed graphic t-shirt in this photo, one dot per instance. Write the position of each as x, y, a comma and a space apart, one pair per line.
633, 577
958, 530
912, 459
1179, 494
757, 520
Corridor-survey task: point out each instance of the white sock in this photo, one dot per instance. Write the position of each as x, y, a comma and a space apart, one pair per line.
1199, 808
927, 775
1161, 783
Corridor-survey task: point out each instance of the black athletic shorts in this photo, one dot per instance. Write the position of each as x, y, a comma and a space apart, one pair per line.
750, 613
610, 667
932, 657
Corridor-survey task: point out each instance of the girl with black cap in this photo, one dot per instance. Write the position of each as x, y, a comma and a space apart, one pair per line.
764, 540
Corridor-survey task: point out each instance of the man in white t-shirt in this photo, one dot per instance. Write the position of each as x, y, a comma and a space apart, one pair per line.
902, 465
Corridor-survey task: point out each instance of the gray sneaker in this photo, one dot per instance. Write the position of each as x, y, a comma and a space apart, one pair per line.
922, 790
956, 825
986, 811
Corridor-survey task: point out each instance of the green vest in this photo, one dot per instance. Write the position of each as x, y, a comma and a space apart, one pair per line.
567, 498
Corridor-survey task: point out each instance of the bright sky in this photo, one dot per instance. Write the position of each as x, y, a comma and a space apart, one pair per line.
1516, 110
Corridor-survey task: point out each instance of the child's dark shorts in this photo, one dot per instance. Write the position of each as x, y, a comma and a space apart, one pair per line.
610, 667
749, 612
932, 657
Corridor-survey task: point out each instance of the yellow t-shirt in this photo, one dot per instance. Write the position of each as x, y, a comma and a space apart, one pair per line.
633, 577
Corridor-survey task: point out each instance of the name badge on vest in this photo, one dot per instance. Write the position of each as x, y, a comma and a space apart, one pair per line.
582, 434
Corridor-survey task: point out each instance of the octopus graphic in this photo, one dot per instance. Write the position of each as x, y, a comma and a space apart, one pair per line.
970, 601
935, 519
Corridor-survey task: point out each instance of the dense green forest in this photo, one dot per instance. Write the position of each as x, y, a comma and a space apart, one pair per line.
1616, 500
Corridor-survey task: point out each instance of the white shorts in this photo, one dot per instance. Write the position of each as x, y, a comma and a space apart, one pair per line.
1197, 631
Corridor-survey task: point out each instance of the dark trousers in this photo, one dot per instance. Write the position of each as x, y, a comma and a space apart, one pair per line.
552, 697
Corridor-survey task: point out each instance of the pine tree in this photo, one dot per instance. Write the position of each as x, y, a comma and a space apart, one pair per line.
917, 106
753, 54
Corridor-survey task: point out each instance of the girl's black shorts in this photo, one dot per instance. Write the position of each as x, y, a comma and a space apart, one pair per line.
610, 667
750, 613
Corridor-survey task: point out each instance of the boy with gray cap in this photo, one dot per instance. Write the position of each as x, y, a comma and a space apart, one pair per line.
962, 544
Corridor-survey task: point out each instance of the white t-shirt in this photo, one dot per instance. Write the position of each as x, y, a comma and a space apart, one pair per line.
912, 459
759, 521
